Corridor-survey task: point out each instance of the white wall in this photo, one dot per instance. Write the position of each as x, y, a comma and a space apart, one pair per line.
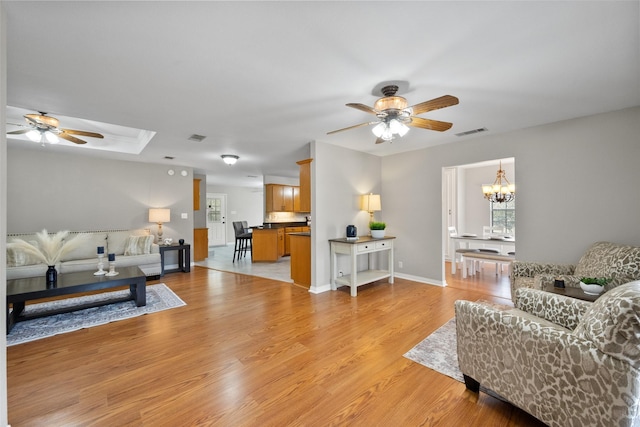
243, 204
339, 177
79, 193
576, 184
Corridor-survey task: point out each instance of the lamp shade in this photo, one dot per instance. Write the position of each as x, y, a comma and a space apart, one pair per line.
159, 215
370, 202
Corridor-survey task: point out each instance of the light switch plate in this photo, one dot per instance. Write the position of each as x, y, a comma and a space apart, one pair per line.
184, 215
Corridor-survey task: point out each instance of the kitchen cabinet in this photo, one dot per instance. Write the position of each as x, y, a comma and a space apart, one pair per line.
287, 237
200, 244
196, 194
301, 259
267, 244
305, 185
279, 198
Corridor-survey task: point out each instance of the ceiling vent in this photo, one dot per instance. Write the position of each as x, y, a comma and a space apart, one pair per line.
471, 132
197, 138
169, 157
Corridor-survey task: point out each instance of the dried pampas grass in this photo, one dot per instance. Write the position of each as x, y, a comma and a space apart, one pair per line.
49, 248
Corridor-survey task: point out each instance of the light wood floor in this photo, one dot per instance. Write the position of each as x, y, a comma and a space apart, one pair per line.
248, 351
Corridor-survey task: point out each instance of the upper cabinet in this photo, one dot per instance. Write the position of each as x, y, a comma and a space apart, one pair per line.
279, 198
289, 198
305, 185
196, 194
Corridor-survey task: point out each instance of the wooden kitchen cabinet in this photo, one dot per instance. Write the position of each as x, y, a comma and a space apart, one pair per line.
301, 260
196, 194
305, 185
267, 244
279, 198
287, 237
200, 244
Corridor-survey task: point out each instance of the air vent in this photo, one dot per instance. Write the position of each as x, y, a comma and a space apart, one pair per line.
169, 157
197, 138
471, 132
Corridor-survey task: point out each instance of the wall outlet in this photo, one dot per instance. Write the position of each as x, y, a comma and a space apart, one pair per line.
400, 264
340, 274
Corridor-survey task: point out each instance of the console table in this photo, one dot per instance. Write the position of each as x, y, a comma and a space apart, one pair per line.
184, 257
365, 245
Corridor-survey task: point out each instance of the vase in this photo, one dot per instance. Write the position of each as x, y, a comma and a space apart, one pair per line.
377, 234
52, 276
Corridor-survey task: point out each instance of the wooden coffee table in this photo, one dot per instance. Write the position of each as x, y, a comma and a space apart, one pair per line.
572, 292
19, 291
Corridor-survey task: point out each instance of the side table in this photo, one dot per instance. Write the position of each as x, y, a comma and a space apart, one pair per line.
577, 293
184, 258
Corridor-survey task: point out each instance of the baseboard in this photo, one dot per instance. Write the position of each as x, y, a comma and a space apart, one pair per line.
320, 289
420, 279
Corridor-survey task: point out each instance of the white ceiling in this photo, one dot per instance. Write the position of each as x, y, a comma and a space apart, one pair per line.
262, 79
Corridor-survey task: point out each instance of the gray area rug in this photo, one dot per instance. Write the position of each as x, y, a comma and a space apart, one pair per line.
159, 297
439, 351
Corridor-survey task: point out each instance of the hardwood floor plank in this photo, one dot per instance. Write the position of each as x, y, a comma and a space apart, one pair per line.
249, 351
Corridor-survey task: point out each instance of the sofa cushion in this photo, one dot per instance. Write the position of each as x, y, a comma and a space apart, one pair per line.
116, 240
138, 245
89, 247
609, 260
612, 323
17, 257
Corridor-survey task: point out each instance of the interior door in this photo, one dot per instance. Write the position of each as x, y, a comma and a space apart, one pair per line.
217, 218
449, 207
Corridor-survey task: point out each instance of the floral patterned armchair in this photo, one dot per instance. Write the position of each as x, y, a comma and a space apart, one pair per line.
620, 263
565, 361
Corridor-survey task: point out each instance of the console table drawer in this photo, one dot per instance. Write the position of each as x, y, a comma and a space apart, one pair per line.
367, 247
383, 245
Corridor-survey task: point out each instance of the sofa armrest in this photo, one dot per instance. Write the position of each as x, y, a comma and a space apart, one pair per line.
559, 309
532, 269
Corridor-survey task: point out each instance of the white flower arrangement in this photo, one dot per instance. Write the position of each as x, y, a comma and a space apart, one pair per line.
49, 248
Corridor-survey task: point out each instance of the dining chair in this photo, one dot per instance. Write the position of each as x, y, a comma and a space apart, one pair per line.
459, 253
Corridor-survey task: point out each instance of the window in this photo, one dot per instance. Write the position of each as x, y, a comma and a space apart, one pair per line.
503, 215
214, 213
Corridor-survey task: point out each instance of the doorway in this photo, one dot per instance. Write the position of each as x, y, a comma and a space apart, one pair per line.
217, 218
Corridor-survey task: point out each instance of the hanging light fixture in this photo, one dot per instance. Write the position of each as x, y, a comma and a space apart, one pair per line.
230, 159
42, 136
501, 190
389, 127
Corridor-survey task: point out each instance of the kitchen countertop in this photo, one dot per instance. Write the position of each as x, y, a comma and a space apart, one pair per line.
304, 234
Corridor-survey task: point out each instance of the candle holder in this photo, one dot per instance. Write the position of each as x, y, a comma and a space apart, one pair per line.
100, 271
112, 266
112, 269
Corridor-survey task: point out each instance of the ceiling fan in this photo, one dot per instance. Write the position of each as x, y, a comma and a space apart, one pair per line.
43, 128
395, 116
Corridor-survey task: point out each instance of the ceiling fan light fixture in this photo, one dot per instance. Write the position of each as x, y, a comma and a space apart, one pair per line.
51, 137
34, 135
397, 127
230, 159
379, 129
391, 102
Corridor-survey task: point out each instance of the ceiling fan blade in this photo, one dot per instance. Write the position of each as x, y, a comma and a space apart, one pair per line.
435, 104
17, 132
42, 120
82, 132
379, 141
350, 127
73, 139
419, 122
363, 107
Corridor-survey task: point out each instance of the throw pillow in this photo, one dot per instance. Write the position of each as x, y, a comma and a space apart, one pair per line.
138, 245
17, 258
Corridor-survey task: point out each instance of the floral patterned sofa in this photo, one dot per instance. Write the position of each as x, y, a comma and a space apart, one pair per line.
619, 263
566, 362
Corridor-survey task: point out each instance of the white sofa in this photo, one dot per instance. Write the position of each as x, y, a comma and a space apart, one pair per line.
138, 245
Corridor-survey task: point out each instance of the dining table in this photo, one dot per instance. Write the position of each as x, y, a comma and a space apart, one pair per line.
505, 244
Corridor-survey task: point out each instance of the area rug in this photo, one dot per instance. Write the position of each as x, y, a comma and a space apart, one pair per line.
159, 297
439, 351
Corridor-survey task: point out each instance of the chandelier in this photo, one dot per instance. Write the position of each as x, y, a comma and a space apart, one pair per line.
501, 190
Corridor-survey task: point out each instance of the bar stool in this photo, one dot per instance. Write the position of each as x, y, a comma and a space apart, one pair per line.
243, 239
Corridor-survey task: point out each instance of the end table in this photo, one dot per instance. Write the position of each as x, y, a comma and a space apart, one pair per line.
184, 258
